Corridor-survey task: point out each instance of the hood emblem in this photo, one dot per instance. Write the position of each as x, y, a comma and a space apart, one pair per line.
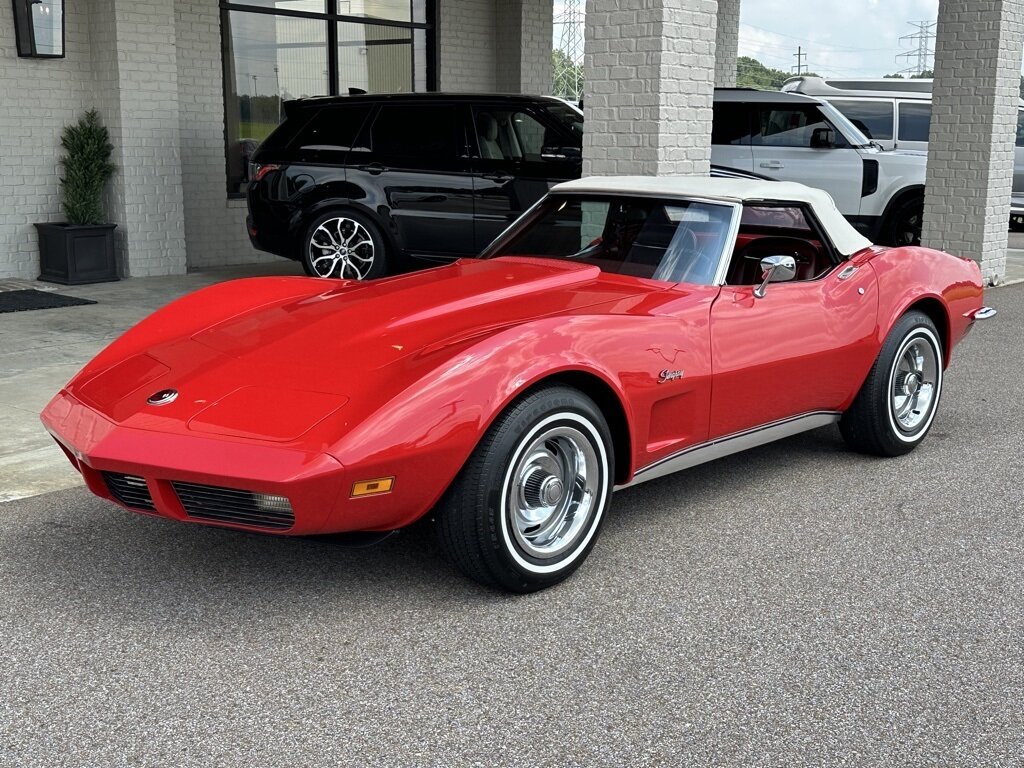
163, 397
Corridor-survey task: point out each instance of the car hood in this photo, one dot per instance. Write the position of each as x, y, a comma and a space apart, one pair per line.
274, 371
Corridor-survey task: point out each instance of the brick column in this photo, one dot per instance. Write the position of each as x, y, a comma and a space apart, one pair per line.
134, 67
971, 140
649, 83
523, 46
727, 43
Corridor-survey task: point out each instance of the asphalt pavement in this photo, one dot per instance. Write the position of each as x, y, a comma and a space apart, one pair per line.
795, 605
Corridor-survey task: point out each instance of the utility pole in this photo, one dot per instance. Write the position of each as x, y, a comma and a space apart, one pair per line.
800, 56
922, 49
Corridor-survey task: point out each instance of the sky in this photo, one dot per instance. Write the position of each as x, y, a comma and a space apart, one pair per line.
841, 38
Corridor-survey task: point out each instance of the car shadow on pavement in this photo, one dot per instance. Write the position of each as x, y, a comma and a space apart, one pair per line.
87, 551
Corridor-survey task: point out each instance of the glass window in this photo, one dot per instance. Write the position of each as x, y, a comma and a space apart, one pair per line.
514, 135
1020, 128
915, 119
674, 241
791, 127
374, 58
268, 60
873, 118
332, 129
730, 123
422, 132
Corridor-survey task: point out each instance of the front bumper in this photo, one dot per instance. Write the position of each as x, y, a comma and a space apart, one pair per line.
201, 479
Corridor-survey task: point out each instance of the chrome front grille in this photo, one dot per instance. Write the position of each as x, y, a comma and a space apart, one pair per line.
130, 490
234, 507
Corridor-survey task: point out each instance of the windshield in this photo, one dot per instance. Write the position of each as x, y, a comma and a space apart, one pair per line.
567, 115
852, 133
670, 240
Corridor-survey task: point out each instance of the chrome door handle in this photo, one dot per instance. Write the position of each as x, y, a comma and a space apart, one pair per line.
776, 164
848, 272
500, 178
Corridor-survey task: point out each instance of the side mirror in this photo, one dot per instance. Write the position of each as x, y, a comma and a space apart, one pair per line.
823, 138
775, 269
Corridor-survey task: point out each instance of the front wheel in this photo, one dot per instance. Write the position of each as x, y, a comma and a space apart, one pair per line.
897, 403
344, 244
526, 509
905, 223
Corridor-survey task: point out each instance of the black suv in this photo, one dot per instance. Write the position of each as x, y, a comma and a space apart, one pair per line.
360, 186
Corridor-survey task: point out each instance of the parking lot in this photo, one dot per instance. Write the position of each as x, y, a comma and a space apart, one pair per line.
795, 605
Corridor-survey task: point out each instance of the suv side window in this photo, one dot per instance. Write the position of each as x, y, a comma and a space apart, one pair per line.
874, 118
915, 119
512, 135
1020, 128
420, 135
791, 126
332, 129
731, 123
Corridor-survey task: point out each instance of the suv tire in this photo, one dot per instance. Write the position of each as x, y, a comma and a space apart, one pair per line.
344, 244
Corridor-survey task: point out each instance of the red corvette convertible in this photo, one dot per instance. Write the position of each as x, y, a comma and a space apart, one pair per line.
622, 329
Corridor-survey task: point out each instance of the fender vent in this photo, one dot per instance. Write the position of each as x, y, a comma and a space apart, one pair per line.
130, 490
231, 506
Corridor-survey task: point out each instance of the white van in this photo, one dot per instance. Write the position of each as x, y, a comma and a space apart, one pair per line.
897, 114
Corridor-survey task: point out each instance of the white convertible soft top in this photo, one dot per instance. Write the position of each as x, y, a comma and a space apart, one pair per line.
845, 238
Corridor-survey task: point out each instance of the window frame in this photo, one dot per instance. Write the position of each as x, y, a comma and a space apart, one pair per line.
331, 18
900, 103
891, 103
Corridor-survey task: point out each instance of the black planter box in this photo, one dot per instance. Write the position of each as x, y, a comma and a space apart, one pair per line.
73, 255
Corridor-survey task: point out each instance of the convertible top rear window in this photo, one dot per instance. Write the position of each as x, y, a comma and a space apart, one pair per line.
670, 240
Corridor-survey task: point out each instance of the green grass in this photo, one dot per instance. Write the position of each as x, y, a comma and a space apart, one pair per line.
250, 129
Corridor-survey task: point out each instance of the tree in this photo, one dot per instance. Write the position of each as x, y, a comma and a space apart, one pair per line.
87, 168
751, 73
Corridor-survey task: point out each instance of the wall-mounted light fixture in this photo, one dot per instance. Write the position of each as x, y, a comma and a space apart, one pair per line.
39, 28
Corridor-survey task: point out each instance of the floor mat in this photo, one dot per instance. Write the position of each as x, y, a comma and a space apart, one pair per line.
23, 301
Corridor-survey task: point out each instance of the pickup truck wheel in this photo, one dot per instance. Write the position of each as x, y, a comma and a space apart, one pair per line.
904, 223
526, 509
346, 245
897, 403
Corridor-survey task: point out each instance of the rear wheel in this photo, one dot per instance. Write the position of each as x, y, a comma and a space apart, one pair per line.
344, 244
897, 403
526, 509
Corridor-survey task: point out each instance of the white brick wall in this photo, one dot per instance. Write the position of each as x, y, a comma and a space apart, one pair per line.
727, 42
523, 46
135, 78
971, 141
38, 97
467, 57
649, 84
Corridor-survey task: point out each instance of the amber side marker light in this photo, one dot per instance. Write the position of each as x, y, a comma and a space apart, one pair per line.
372, 487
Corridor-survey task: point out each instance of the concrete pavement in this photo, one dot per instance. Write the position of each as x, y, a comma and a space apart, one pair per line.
795, 605
41, 350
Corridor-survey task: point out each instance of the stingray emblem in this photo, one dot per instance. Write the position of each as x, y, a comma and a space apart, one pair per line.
668, 375
163, 397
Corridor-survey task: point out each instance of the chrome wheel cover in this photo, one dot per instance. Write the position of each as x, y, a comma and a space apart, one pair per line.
341, 247
553, 491
914, 384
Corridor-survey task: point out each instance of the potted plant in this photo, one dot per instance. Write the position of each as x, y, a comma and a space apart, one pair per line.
81, 250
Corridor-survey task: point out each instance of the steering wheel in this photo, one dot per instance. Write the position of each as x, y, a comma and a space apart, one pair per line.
804, 254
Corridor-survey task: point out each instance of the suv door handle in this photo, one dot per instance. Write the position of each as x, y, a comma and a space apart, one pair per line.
776, 164
500, 178
374, 169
